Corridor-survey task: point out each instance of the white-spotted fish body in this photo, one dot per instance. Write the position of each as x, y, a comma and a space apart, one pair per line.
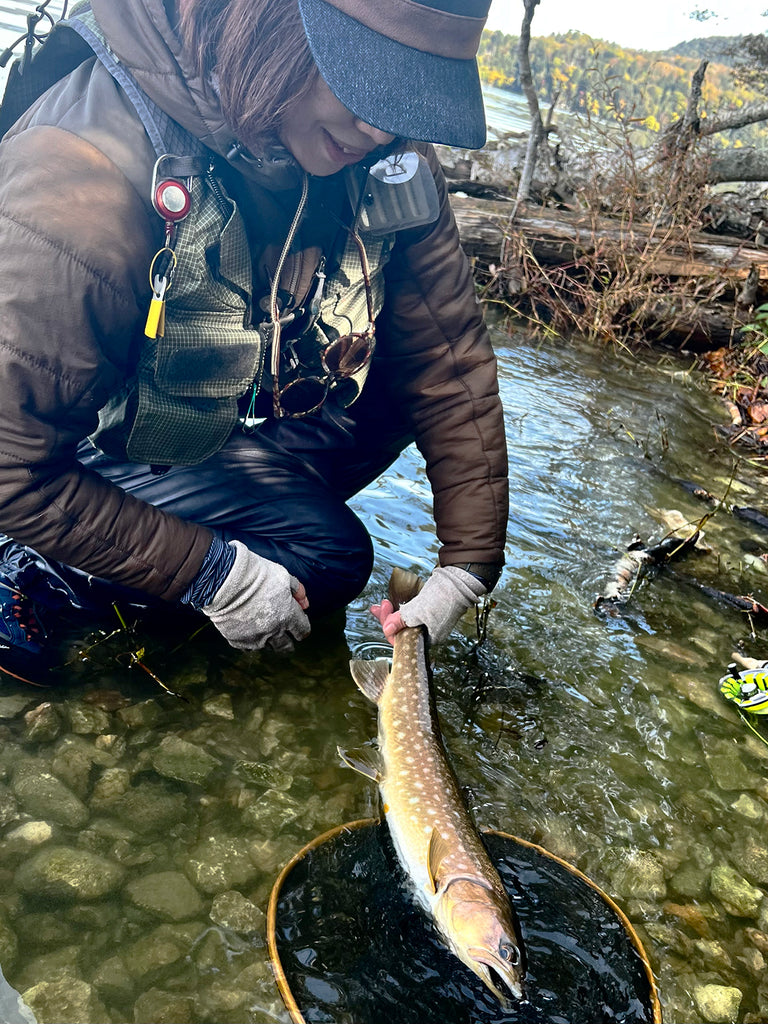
433, 834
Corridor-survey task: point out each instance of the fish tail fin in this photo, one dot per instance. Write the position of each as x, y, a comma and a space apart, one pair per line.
371, 677
403, 586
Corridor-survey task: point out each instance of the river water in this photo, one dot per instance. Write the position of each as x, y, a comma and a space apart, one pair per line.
140, 834
604, 739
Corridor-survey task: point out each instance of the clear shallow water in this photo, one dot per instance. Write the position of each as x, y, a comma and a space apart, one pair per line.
603, 739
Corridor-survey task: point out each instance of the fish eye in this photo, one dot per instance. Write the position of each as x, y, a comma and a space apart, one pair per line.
509, 952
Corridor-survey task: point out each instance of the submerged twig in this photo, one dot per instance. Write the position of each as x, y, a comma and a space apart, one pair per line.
136, 654
637, 561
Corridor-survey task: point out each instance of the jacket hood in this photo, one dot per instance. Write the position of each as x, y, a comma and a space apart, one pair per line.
142, 36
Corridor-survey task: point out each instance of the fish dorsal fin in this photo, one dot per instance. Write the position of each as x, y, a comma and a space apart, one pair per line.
403, 586
371, 677
365, 760
437, 851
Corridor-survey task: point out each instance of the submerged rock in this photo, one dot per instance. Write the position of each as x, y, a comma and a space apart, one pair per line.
264, 775
9, 946
223, 1004
272, 812
175, 758
13, 705
692, 915
750, 857
113, 981
29, 835
42, 795
727, 768
640, 875
9, 808
754, 961
233, 910
219, 706
735, 892
65, 999
167, 894
85, 719
150, 807
165, 1007
74, 763
220, 863
110, 785
161, 953
140, 716
60, 872
713, 953
748, 807
215, 949
717, 1004
45, 930
43, 724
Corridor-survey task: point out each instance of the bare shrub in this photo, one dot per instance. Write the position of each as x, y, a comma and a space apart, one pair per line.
611, 289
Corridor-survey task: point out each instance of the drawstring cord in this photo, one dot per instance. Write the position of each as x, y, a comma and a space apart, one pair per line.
274, 312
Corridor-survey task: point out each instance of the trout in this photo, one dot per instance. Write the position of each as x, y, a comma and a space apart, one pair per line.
435, 840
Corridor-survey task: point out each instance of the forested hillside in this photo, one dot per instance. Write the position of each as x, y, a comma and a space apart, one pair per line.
597, 78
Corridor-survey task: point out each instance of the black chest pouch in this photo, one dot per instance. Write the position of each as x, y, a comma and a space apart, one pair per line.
398, 193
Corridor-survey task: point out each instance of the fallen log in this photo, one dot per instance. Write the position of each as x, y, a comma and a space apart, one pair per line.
560, 237
695, 326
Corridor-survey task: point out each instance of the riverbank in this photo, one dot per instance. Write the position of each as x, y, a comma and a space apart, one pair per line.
589, 268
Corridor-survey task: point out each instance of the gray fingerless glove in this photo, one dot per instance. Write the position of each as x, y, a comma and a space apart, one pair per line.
446, 595
254, 607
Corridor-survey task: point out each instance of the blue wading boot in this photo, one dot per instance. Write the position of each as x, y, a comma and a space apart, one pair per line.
29, 602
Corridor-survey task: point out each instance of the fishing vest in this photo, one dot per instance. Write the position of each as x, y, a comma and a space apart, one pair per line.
183, 401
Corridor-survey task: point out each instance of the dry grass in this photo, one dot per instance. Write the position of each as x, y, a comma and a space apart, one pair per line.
610, 291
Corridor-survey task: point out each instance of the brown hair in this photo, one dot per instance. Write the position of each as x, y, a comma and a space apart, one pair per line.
259, 54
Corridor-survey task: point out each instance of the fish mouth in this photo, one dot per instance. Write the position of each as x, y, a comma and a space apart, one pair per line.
501, 978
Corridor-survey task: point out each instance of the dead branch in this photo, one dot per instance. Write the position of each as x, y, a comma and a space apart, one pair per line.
536, 133
691, 121
745, 604
635, 564
750, 114
680, 136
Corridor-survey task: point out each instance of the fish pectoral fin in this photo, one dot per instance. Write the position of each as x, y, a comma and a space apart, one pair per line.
365, 760
371, 677
437, 851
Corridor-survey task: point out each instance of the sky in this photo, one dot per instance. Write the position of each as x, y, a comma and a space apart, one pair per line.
661, 23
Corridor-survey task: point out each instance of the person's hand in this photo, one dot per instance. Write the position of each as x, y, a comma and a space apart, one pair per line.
259, 604
391, 621
446, 595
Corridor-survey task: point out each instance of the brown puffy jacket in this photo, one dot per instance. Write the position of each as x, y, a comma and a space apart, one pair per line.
77, 233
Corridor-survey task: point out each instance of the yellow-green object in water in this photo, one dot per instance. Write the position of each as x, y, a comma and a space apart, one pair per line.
748, 690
